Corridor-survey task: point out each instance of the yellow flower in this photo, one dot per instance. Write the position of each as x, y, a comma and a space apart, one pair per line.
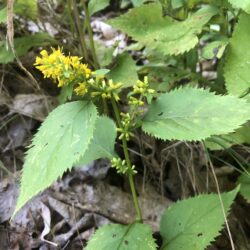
82, 89
86, 70
44, 53
63, 69
66, 61
75, 62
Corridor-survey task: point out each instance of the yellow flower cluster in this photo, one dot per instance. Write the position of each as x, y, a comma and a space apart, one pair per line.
63, 69
69, 70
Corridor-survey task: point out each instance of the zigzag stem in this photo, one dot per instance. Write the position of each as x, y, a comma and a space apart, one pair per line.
126, 154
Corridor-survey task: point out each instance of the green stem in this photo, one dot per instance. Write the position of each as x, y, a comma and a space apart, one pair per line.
105, 107
90, 32
166, 7
126, 154
80, 32
70, 18
224, 25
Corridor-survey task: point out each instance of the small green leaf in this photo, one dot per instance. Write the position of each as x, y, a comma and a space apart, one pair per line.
97, 5
62, 139
240, 136
214, 49
241, 4
193, 224
104, 54
124, 70
21, 7
137, 3
3, 15
244, 181
102, 145
163, 34
135, 236
236, 71
161, 77
66, 93
194, 114
178, 4
101, 72
23, 44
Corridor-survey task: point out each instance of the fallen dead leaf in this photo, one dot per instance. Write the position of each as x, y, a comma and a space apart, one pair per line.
34, 106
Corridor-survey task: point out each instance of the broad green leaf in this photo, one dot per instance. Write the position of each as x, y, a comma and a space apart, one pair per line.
23, 44
62, 139
163, 34
124, 70
193, 224
237, 67
241, 135
135, 236
194, 114
26, 8
102, 145
241, 4
244, 181
97, 5
3, 15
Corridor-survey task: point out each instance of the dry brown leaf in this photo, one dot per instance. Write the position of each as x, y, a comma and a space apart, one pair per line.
34, 106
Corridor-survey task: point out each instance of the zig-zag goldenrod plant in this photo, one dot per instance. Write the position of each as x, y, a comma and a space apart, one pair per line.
100, 109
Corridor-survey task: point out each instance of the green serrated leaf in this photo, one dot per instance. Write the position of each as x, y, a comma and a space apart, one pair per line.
102, 145
135, 236
62, 139
193, 224
241, 4
237, 67
163, 34
97, 5
124, 70
244, 181
194, 114
23, 44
